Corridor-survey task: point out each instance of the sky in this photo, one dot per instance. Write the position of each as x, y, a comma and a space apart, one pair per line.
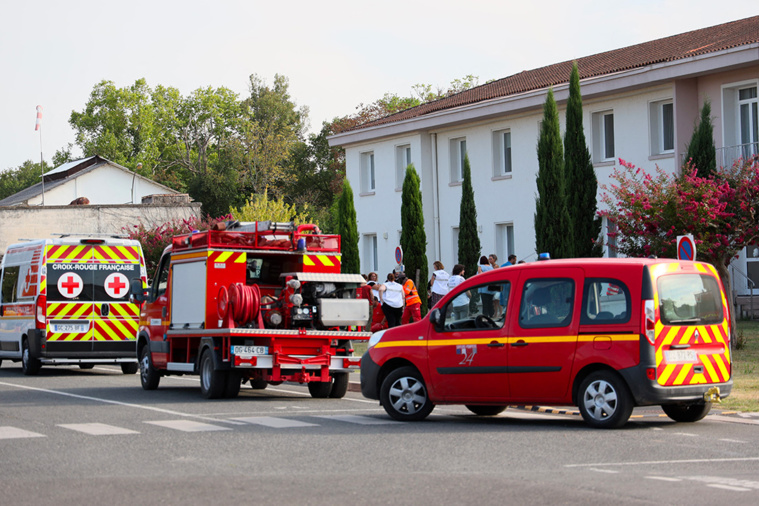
337, 54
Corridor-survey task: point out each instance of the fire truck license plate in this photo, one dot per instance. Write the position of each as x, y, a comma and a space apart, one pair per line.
69, 327
250, 350
680, 355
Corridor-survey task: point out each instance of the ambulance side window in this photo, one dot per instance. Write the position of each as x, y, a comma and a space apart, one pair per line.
605, 301
162, 278
10, 283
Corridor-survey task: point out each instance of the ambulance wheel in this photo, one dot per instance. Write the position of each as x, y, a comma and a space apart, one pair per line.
232, 385
30, 366
258, 384
212, 381
86, 366
604, 401
404, 396
485, 410
687, 412
339, 385
320, 389
130, 367
149, 376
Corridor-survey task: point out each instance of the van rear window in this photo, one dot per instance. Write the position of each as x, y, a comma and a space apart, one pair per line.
689, 299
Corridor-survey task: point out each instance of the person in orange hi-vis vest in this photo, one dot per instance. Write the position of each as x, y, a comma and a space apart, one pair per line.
413, 309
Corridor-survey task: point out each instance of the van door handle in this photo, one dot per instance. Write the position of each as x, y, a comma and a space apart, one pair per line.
679, 346
496, 344
520, 343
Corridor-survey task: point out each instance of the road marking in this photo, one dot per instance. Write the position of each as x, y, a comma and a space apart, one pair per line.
686, 434
729, 487
668, 462
97, 429
662, 478
15, 433
733, 441
276, 423
360, 420
607, 471
188, 425
731, 419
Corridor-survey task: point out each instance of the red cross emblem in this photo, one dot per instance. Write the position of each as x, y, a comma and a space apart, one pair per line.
70, 285
116, 285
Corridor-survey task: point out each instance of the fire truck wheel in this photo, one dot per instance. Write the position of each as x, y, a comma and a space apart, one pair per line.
404, 396
86, 366
687, 412
258, 384
485, 410
149, 376
212, 381
339, 385
130, 367
320, 389
604, 400
232, 384
30, 366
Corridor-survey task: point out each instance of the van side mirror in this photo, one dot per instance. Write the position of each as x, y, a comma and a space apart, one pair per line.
136, 292
437, 319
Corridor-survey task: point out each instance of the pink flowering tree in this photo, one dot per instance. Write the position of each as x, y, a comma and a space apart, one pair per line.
651, 210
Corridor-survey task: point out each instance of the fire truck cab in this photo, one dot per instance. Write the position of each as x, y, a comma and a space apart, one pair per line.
260, 302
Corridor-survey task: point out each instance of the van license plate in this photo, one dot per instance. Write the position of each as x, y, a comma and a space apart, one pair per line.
250, 350
58, 328
683, 356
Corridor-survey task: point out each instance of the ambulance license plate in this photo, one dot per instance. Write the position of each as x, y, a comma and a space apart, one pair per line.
683, 356
79, 328
250, 350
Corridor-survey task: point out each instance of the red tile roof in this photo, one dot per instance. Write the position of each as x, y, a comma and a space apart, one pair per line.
676, 47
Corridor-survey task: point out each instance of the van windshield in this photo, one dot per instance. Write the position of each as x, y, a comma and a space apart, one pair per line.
688, 299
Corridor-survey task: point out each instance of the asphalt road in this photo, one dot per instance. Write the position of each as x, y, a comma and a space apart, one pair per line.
70, 436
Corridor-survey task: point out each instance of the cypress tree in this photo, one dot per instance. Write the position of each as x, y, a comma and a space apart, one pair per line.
553, 229
701, 150
469, 240
581, 182
347, 227
413, 236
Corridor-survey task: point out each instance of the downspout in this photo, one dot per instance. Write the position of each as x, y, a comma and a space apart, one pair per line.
436, 198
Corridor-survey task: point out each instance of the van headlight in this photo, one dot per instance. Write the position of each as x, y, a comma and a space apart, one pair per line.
376, 337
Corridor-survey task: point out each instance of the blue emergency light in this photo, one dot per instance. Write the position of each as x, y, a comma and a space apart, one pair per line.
544, 256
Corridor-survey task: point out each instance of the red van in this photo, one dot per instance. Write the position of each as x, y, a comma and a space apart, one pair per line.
605, 335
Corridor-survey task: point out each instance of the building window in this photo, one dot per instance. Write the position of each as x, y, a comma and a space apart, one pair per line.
370, 252
502, 153
662, 127
367, 172
603, 136
740, 112
458, 153
748, 114
504, 241
402, 161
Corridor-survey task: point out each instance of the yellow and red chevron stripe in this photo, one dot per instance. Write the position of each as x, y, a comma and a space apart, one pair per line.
713, 355
69, 253
321, 263
237, 257
119, 311
116, 254
116, 330
70, 336
69, 310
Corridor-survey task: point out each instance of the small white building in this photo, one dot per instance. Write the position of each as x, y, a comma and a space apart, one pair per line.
640, 103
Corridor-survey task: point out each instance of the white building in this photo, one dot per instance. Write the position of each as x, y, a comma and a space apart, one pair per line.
640, 103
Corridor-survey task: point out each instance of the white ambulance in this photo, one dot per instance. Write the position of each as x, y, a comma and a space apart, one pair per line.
66, 301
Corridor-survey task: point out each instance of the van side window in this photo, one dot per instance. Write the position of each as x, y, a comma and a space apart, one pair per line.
10, 283
546, 303
479, 314
605, 301
162, 278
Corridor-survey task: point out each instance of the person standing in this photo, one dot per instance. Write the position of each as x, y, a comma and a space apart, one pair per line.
485, 294
439, 282
493, 259
413, 309
461, 303
365, 292
392, 299
503, 299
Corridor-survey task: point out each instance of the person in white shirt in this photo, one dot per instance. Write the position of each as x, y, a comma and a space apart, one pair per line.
460, 303
438, 282
392, 299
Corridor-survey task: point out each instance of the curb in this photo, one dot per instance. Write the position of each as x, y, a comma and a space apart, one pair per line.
354, 386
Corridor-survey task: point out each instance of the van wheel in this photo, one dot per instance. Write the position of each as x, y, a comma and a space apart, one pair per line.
404, 396
30, 366
232, 385
485, 410
149, 376
687, 412
339, 385
605, 402
320, 389
130, 367
212, 381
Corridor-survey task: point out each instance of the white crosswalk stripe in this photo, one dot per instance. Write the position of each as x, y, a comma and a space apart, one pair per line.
188, 425
97, 429
360, 420
16, 433
276, 423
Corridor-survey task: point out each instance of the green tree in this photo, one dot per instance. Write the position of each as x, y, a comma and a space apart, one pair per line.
469, 246
260, 207
701, 152
552, 224
581, 182
347, 227
413, 236
25, 175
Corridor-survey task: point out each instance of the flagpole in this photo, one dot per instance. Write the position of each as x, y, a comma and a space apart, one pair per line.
38, 126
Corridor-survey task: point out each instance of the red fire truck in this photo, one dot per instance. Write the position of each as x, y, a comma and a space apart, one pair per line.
260, 302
